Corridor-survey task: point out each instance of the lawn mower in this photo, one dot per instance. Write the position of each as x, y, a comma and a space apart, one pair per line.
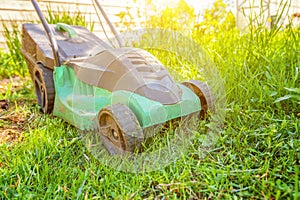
120, 92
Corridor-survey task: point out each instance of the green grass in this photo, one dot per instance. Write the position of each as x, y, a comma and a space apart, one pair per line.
71, 18
253, 158
256, 156
12, 63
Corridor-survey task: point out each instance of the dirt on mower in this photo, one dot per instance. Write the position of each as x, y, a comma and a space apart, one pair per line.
11, 119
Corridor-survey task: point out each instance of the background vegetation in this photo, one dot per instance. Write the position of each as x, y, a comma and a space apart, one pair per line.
256, 156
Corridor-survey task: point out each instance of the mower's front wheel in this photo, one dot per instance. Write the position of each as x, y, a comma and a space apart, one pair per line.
119, 129
205, 95
44, 87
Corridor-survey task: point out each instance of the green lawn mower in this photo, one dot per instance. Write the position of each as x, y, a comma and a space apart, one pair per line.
120, 92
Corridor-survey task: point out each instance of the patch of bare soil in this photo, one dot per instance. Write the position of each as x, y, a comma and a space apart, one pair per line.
11, 120
3, 105
12, 84
12, 126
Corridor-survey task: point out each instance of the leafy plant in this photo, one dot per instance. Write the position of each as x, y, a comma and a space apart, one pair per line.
216, 20
180, 17
127, 21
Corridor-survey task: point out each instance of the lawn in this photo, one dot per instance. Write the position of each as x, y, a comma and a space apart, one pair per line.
256, 154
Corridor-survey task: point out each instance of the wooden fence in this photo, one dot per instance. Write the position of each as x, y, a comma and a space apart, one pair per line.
124, 14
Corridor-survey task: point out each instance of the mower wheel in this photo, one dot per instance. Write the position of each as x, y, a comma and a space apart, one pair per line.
205, 95
44, 87
119, 129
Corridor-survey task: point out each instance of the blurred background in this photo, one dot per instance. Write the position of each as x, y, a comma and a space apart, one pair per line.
133, 14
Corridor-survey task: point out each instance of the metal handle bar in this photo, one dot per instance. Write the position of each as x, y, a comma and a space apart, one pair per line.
49, 32
53, 42
112, 28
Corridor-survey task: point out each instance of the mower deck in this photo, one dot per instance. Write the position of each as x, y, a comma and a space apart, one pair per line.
79, 103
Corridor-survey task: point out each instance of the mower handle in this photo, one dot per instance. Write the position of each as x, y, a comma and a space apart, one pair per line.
112, 28
49, 32
61, 27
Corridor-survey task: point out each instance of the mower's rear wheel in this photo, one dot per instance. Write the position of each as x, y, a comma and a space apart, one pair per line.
119, 129
205, 95
44, 87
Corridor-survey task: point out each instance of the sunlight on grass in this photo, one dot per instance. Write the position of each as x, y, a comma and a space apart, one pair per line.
255, 156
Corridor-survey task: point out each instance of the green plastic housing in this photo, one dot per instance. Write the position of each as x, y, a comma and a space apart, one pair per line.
79, 103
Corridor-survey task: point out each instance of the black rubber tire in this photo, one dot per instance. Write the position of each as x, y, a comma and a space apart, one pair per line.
44, 87
119, 129
205, 95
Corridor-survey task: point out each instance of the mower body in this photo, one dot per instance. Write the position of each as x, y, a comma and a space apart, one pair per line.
124, 93
93, 75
